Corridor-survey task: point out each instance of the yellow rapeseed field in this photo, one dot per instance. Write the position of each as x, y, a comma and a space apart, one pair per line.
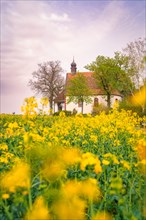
72, 168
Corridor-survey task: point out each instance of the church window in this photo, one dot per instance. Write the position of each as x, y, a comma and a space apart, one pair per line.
96, 102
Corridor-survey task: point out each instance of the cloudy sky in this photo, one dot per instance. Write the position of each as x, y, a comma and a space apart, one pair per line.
36, 31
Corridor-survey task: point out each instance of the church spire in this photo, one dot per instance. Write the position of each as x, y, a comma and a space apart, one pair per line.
73, 67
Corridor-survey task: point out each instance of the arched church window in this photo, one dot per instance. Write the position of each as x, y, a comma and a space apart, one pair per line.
96, 102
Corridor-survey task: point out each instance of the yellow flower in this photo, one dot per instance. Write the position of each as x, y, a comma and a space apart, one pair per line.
3, 147
90, 190
36, 137
93, 138
53, 170
116, 105
9, 131
142, 166
70, 208
90, 159
125, 164
112, 156
71, 188
62, 114
143, 162
86, 189
44, 101
5, 196
115, 160
97, 167
116, 143
105, 162
39, 210
70, 156
19, 176
26, 138
141, 149
29, 106
13, 125
107, 155
25, 192
102, 216
140, 97
3, 160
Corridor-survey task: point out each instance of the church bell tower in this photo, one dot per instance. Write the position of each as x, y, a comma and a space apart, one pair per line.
73, 67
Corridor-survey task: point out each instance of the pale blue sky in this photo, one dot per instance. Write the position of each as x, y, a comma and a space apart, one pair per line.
37, 31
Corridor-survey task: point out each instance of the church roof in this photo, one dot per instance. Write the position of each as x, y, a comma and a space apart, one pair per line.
92, 83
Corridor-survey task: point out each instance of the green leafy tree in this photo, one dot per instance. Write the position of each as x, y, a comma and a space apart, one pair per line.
78, 90
111, 75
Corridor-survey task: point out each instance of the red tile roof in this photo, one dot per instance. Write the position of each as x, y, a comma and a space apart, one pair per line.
91, 83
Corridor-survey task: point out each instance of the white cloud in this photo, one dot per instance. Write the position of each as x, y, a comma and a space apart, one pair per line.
55, 17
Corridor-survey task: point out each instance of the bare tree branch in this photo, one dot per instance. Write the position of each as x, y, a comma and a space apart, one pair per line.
47, 80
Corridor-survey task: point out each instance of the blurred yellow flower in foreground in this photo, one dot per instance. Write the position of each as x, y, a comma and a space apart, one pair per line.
53, 171
74, 198
102, 216
142, 166
70, 209
5, 196
140, 97
19, 176
57, 161
85, 189
70, 156
39, 210
90, 190
141, 149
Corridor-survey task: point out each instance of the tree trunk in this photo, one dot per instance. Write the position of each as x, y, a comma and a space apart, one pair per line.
82, 107
51, 107
109, 100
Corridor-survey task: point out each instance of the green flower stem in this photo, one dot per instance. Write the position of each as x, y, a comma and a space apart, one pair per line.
8, 214
91, 211
30, 198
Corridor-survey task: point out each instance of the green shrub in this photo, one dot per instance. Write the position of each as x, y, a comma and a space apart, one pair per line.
127, 105
99, 108
67, 113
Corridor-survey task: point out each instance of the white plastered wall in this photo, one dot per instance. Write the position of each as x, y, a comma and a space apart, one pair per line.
87, 108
